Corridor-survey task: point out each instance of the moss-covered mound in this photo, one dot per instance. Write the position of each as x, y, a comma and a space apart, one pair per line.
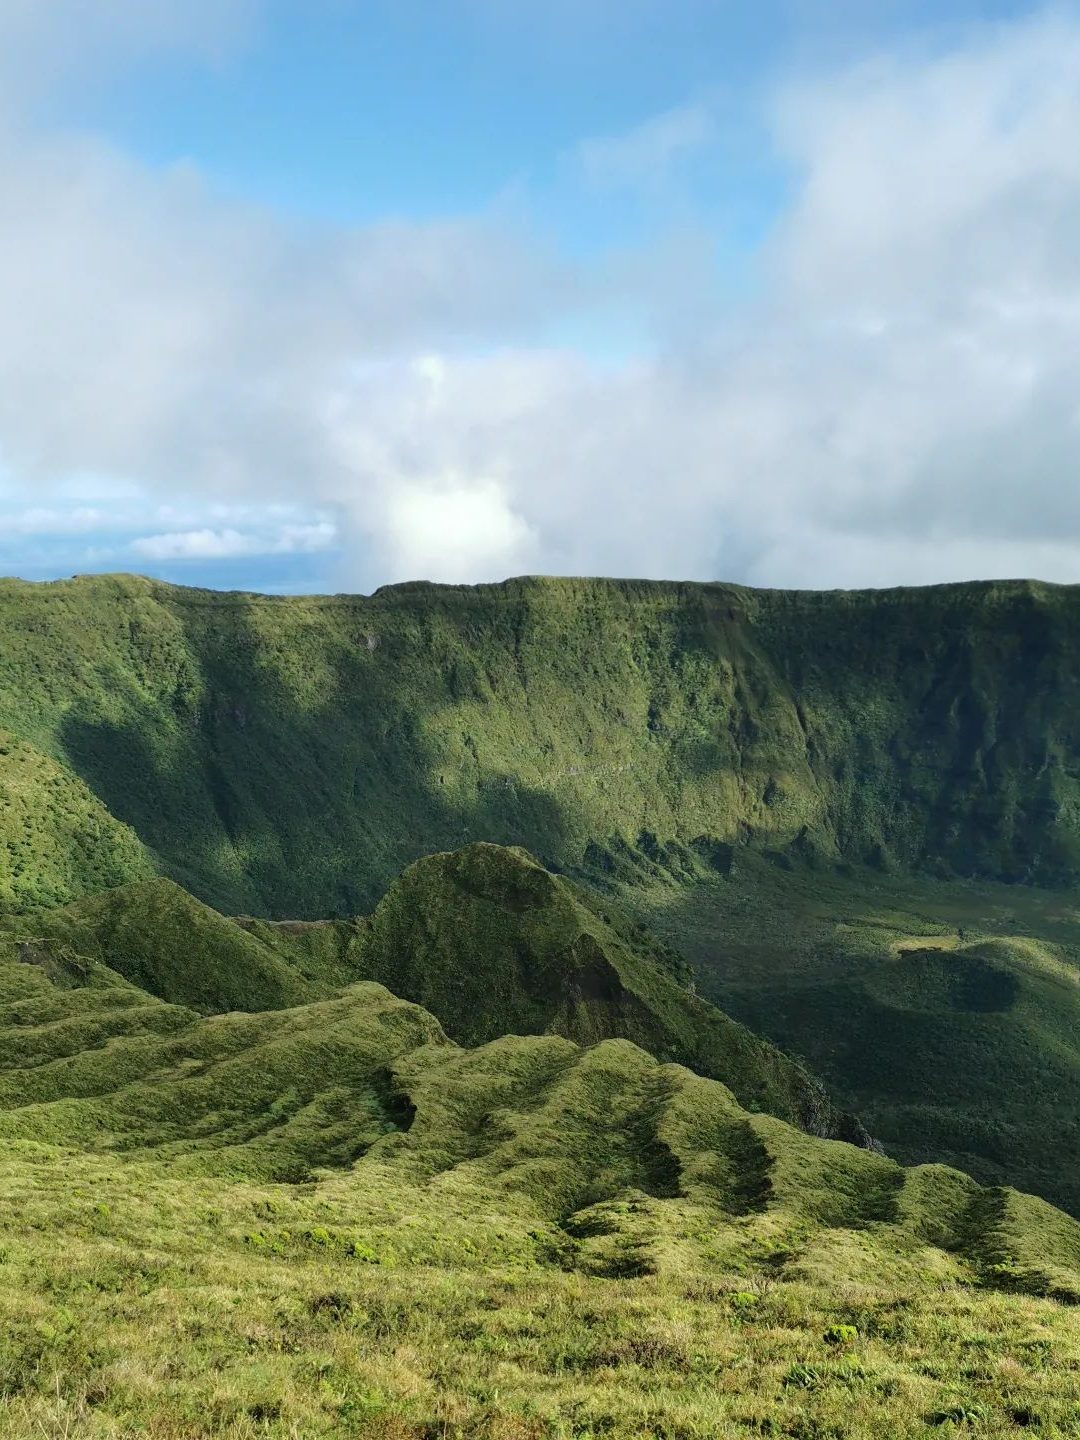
172, 945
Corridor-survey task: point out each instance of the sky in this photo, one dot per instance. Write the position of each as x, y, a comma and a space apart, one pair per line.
320, 295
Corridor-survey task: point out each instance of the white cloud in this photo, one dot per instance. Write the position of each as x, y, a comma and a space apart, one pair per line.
902, 405
645, 155
454, 528
38, 520
152, 328
872, 560
192, 545
228, 544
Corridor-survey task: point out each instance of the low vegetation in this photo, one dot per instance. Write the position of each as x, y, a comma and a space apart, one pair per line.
333, 1221
946, 1015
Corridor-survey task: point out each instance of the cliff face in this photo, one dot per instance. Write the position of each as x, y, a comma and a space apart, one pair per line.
288, 756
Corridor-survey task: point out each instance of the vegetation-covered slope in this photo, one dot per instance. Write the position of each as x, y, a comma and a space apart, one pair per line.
159, 937
318, 1214
57, 839
485, 938
333, 1221
493, 943
946, 1015
288, 756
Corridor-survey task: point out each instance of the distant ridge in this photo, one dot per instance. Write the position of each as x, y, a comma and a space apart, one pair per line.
288, 756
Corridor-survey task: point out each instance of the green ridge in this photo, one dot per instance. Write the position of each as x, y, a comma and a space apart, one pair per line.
162, 939
492, 942
288, 756
232, 1163
485, 938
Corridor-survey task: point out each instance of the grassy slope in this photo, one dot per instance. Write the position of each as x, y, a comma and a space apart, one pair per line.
289, 756
946, 1015
57, 839
325, 952
180, 950
492, 942
484, 937
220, 1226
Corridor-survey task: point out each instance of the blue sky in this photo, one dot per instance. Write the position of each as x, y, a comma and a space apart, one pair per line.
325, 295
351, 110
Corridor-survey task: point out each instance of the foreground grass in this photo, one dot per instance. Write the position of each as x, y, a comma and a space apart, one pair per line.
132, 1303
332, 1221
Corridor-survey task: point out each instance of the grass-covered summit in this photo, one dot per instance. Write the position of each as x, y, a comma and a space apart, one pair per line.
495, 944
288, 756
333, 1221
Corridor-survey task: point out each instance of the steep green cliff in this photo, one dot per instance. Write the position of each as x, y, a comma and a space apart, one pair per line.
287, 756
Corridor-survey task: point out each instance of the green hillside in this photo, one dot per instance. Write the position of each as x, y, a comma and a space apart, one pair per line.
57, 839
333, 1221
443, 1135
485, 938
492, 943
288, 756
162, 939
946, 1015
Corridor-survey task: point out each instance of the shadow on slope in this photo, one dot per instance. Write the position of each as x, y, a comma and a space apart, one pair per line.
287, 760
947, 1016
288, 756
57, 838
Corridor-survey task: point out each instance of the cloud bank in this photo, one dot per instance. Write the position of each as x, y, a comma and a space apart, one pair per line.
896, 399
